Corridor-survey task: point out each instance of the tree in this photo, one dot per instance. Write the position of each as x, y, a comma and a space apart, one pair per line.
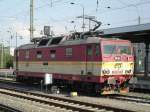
8, 61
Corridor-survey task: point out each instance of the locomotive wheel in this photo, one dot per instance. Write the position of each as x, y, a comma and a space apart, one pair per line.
19, 79
54, 89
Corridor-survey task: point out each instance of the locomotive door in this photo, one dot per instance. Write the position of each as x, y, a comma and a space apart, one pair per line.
89, 59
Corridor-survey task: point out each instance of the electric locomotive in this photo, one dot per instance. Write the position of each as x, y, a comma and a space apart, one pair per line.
82, 61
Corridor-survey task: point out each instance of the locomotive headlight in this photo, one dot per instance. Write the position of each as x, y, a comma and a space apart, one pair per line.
106, 71
117, 58
128, 71
131, 65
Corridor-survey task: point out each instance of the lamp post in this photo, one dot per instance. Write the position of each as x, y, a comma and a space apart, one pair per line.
2, 57
138, 14
17, 39
83, 14
137, 11
1, 52
31, 19
10, 39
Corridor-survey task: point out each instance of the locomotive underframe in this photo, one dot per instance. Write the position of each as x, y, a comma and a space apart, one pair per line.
83, 84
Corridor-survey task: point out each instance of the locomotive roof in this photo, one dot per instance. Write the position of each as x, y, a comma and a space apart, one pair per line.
27, 46
61, 41
81, 41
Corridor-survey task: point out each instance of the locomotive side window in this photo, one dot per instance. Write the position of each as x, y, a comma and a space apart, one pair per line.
89, 50
97, 52
39, 54
52, 54
27, 54
68, 51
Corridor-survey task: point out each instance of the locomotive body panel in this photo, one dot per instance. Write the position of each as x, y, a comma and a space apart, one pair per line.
61, 67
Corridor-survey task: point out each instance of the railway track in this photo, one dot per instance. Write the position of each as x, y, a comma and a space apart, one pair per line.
68, 104
131, 99
74, 102
4, 108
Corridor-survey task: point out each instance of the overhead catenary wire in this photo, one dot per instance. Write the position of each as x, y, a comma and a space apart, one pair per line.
36, 8
91, 12
65, 19
127, 6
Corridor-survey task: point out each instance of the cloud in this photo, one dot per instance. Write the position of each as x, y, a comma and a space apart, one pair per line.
22, 29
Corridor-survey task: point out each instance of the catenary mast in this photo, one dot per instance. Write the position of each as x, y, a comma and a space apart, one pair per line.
31, 19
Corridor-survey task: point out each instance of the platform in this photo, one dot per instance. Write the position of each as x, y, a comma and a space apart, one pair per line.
142, 82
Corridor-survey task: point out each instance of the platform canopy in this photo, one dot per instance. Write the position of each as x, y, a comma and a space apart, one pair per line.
135, 33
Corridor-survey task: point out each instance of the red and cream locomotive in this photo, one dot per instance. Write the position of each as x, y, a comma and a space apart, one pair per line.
83, 61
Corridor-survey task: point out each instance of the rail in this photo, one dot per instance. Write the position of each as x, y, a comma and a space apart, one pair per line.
5, 108
70, 104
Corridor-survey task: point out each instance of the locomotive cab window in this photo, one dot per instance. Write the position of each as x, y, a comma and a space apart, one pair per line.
68, 51
52, 54
97, 50
27, 54
89, 50
39, 54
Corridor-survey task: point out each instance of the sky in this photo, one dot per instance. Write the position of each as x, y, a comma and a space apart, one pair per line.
59, 14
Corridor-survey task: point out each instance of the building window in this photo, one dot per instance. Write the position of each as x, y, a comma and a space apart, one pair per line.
89, 50
68, 51
97, 52
39, 54
52, 54
27, 54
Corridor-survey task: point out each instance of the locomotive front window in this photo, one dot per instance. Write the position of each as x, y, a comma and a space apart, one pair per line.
117, 49
123, 50
109, 49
